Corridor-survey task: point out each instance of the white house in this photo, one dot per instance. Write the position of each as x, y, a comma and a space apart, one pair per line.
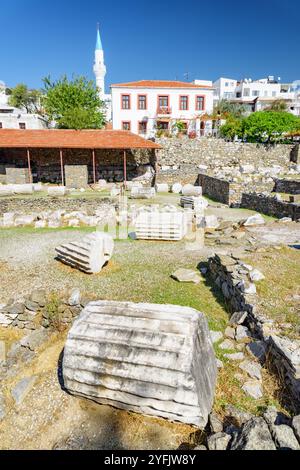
145, 106
14, 118
256, 95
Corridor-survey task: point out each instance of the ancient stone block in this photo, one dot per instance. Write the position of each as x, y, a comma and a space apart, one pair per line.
160, 225
89, 255
57, 191
142, 193
76, 176
149, 358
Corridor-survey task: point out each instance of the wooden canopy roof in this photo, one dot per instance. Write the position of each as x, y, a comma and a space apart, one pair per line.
83, 139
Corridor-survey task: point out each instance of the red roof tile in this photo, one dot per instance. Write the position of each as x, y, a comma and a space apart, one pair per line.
159, 84
56, 138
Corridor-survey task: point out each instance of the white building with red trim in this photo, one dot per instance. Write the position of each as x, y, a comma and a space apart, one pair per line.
146, 106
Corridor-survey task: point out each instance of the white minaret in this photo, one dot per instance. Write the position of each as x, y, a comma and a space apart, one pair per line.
99, 66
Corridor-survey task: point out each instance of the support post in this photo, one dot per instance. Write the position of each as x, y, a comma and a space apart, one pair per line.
61, 166
94, 166
29, 166
125, 169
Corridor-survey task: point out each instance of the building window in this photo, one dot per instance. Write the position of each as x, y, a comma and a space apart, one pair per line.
126, 126
163, 125
226, 83
142, 127
183, 103
22, 125
238, 94
200, 103
247, 92
125, 99
163, 101
255, 93
142, 102
273, 93
1, 125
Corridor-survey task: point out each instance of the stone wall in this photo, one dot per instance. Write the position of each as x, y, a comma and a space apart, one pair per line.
17, 175
252, 165
217, 153
288, 186
270, 206
231, 275
39, 204
215, 188
45, 163
76, 176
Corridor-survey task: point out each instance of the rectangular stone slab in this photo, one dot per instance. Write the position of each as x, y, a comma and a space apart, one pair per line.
148, 358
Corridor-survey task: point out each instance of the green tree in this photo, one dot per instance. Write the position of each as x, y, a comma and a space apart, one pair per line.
225, 109
278, 105
21, 97
232, 128
269, 126
73, 104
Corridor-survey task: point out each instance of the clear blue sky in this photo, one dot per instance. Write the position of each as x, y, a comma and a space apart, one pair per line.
157, 39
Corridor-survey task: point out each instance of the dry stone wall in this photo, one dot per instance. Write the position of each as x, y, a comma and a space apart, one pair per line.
231, 275
269, 205
40, 204
288, 186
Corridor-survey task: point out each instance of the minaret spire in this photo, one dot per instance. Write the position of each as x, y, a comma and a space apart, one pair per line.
98, 41
99, 66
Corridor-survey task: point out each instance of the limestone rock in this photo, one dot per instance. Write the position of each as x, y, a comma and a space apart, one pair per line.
239, 356
257, 349
142, 193
148, 358
211, 221
74, 298
186, 275
26, 188
35, 339
239, 417
89, 255
176, 188
256, 219
162, 188
255, 435
227, 344
216, 336
38, 296
22, 388
2, 352
282, 434
215, 423
252, 368
191, 190
220, 364
55, 191
256, 275
242, 334
237, 318
253, 388
218, 441
230, 332
296, 426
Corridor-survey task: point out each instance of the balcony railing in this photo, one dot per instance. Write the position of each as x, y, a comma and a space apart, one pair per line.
164, 110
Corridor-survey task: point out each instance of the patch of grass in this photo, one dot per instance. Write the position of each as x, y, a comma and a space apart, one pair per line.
281, 269
53, 314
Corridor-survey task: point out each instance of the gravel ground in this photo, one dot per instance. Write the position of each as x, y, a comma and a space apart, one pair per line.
50, 418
